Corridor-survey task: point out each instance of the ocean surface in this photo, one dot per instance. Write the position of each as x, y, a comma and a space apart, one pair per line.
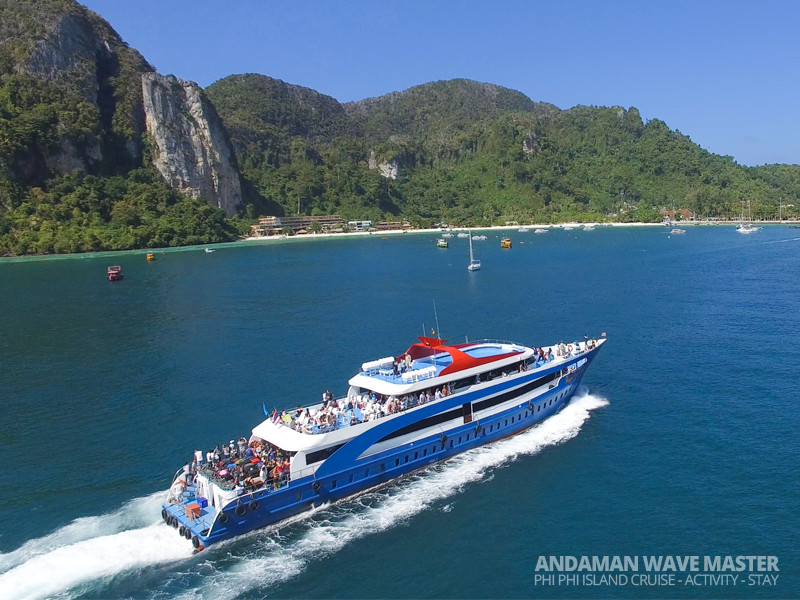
683, 440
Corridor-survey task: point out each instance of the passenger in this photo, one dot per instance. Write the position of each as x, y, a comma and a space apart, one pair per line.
198, 457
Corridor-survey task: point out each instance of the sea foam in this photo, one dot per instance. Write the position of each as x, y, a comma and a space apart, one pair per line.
92, 550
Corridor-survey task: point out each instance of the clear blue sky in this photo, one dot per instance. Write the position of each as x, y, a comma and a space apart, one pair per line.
724, 73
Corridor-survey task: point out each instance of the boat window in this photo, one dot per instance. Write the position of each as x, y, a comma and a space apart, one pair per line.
416, 455
333, 484
504, 397
299, 495
315, 457
405, 460
383, 467
423, 424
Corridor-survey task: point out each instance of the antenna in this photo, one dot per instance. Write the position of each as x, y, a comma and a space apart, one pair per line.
435, 314
438, 331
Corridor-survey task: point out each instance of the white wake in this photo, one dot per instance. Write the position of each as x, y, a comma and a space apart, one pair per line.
276, 561
95, 549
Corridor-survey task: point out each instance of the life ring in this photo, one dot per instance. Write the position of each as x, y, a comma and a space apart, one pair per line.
254, 505
569, 347
223, 518
240, 510
530, 405
315, 486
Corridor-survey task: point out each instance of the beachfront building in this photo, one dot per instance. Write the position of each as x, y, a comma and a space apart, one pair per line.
359, 225
392, 225
680, 214
275, 225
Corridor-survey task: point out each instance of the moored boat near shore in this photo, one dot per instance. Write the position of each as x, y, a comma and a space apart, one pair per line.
400, 414
114, 273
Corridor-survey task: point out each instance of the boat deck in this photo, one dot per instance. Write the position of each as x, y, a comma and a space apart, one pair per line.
429, 367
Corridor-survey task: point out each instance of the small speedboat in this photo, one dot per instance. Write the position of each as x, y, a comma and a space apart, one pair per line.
114, 273
208, 250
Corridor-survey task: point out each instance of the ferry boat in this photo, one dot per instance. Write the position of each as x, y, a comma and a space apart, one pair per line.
114, 273
400, 414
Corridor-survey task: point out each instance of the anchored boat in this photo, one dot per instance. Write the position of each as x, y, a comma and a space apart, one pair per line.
400, 413
114, 273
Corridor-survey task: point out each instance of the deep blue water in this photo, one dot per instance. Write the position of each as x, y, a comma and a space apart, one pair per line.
684, 441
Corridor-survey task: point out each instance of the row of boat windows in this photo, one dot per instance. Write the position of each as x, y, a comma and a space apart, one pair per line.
452, 443
319, 455
433, 449
477, 406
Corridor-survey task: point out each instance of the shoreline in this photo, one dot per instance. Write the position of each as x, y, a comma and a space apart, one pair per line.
530, 228
388, 232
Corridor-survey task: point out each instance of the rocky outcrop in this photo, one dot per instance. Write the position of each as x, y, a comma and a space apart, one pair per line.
190, 147
389, 170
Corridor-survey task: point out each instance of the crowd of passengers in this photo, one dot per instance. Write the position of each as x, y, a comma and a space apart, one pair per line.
360, 408
242, 466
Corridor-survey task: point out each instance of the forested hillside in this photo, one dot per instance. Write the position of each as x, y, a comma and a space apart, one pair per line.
75, 171
471, 153
77, 151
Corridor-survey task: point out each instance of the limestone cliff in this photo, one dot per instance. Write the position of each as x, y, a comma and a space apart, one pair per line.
190, 147
74, 56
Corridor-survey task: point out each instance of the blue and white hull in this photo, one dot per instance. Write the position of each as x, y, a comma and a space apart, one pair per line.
388, 448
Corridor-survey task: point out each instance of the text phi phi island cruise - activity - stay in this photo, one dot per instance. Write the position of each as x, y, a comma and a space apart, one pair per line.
400, 413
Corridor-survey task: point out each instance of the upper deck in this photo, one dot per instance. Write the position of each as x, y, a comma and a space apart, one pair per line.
378, 392
432, 359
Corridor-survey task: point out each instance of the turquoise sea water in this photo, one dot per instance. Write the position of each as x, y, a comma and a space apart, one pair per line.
683, 442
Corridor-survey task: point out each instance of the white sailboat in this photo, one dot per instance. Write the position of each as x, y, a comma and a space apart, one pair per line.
474, 264
747, 227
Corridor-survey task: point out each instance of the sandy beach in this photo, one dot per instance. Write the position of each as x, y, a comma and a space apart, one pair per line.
530, 228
